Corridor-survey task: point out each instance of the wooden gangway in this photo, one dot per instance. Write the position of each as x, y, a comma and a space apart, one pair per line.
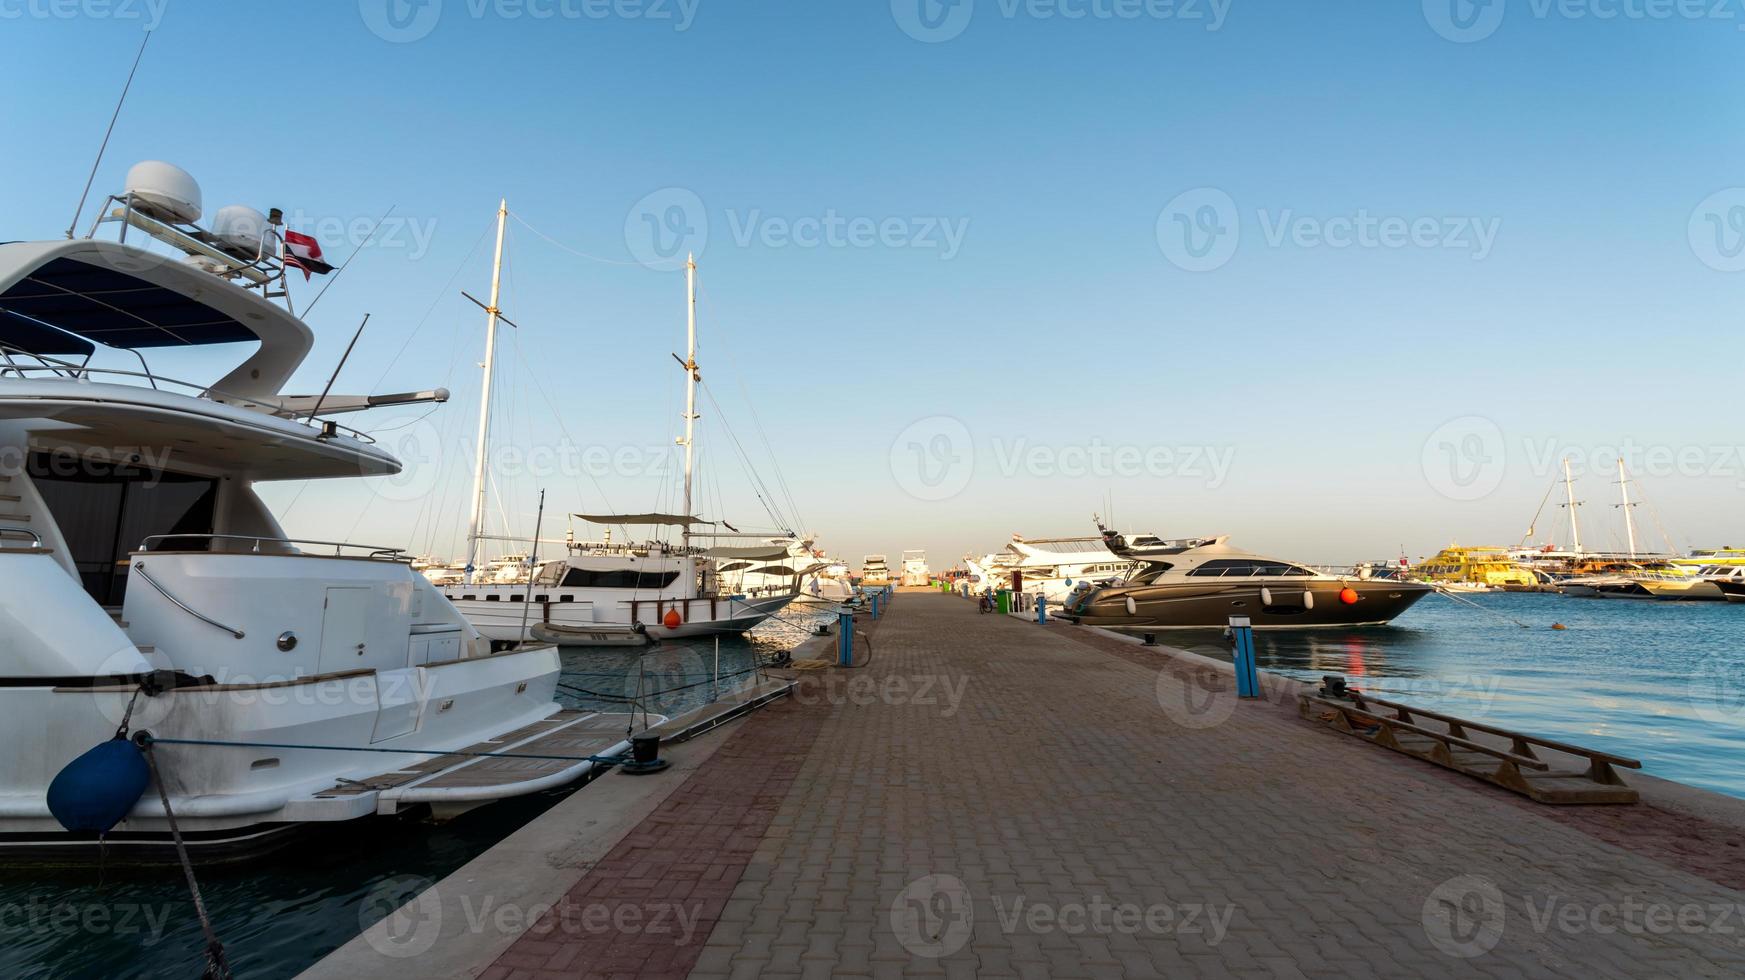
1538, 768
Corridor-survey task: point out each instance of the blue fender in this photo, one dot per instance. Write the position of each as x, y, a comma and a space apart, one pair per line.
97, 790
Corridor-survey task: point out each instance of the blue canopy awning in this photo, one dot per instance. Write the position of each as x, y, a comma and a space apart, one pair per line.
109, 306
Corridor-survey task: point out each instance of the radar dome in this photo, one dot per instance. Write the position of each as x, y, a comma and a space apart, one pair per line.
242, 231
164, 191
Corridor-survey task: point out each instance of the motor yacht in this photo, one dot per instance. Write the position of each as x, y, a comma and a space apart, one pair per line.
915, 571
150, 590
1199, 583
874, 573
1052, 567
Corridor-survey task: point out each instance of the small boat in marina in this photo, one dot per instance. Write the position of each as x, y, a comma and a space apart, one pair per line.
1051, 567
1472, 569
1732, 589
1199, 583
150, 587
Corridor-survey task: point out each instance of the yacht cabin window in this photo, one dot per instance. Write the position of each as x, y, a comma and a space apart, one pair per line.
1251, 567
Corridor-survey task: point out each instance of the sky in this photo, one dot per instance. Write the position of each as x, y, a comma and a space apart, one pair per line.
1340, 281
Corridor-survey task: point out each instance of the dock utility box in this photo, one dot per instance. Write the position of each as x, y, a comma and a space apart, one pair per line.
1542, 769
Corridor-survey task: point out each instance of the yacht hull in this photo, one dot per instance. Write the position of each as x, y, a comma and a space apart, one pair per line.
1192, 605
591, 624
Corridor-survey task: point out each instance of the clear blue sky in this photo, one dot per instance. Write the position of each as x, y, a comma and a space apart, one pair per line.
1328, 378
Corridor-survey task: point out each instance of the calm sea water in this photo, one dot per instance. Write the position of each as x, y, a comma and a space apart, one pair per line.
279, 915
1663, 682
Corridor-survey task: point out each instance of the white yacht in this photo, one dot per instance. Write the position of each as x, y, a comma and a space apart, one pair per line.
1053, 567
606, 594
874, 573
915, 571
151, 593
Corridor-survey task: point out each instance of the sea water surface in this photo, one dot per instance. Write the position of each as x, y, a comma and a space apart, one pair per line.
279, 915
1663, 682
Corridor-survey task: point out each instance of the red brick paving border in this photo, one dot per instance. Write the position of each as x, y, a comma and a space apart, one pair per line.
680, 865
1680, 840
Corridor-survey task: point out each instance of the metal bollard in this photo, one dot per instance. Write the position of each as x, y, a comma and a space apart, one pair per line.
1242, 644
875, 605
1042, 609
845, 639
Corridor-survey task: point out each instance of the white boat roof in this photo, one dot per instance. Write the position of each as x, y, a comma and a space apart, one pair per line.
63, 297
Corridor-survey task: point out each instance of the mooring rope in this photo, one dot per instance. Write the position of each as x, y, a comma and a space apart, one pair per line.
217, 967
1493, 612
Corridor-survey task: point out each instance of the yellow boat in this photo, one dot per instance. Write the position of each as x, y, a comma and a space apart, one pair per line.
1473, 569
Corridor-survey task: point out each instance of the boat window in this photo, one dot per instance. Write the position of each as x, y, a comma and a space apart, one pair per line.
617, 578
105, 510
1149, 573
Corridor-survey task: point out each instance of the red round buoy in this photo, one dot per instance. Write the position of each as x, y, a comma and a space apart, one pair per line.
672, 619
1348, 596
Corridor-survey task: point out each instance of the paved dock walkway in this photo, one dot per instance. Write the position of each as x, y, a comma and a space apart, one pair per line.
992, 798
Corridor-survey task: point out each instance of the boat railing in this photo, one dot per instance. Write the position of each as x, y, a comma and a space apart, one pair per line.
24, 532
139, 570
370, 552
80, 372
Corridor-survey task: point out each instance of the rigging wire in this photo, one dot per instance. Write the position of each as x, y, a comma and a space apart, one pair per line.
573, 251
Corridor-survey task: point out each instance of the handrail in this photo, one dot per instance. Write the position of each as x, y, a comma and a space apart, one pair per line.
35, 538
139, 569
377, 552
82, 373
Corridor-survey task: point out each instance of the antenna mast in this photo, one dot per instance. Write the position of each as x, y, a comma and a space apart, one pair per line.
1629, 522
1569, 493
476, 522
104, 146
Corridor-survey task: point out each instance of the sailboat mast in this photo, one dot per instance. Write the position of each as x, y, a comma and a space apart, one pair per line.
1569, 492
1629, 522
690, 377
475, 524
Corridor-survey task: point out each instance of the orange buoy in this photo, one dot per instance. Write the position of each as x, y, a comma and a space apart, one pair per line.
1348, 596
672, 619
1558, 626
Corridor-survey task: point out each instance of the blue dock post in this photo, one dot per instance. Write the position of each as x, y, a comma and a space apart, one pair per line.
876, 596
1042, 609
845, 638
1242, 644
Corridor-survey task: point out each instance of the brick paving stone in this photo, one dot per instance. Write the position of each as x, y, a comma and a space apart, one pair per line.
981, 764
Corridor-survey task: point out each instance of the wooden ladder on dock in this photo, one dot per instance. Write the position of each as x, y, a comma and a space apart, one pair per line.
1454, 743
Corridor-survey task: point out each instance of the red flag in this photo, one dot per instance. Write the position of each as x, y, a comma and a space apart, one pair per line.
304, 252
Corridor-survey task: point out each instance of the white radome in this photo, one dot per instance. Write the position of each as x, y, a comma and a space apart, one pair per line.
164, 191
242, 230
